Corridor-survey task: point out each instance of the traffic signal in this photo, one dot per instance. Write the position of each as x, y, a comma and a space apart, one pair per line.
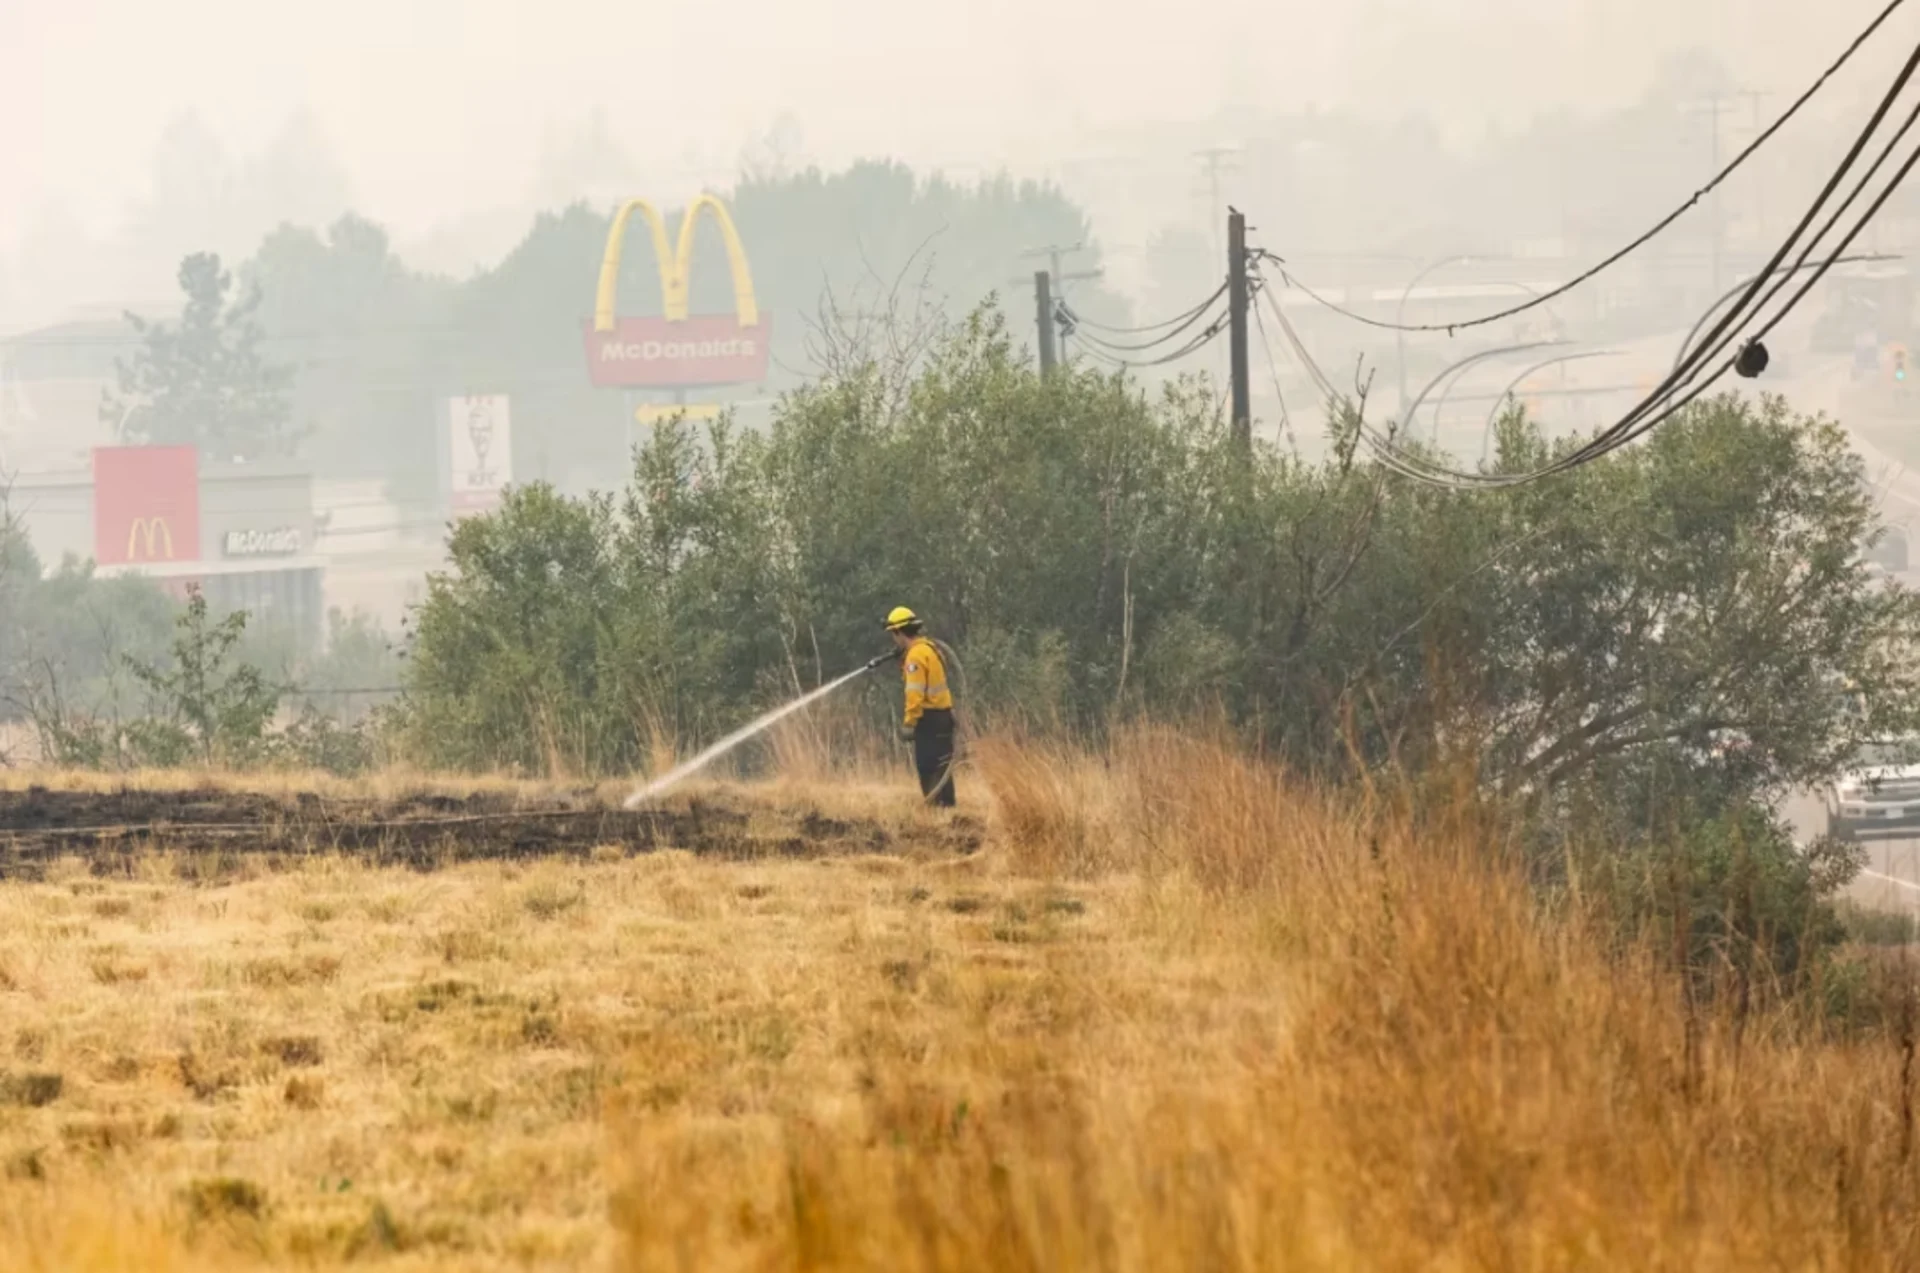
1899, 365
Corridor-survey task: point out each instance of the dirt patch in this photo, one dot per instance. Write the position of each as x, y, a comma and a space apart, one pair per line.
423, 831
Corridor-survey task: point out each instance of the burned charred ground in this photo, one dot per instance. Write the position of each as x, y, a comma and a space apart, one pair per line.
113, 830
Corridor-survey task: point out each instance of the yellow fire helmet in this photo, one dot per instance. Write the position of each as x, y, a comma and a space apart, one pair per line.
900, 618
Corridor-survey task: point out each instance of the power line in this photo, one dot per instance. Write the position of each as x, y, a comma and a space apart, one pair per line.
1059, 277
1273, 365
1217, 160
1713, 105
1658, 228
1725, 331
1088, 323
1506, 395
1638, 422
1192, 316
1300, 352
298, 692
1661, 403
1198, 342
1742, 285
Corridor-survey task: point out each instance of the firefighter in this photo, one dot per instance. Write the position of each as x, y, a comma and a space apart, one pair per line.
929, 714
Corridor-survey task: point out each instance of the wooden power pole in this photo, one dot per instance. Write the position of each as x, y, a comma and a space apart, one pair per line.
1239, 296
1043, 314
1058, 278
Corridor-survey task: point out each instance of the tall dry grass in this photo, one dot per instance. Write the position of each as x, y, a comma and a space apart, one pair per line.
1352, 1044
1180, 1013
832, 742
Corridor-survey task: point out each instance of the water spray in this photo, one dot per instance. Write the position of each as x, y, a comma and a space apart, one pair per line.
759, 725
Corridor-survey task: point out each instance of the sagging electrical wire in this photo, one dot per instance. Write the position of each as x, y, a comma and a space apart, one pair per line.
1456, 373
1508, 394
1273, 364
1725, 332
1658, 228
1636, 423
1661, 403
1306, 360
1071, 326
1820, 271
1387, 455
1852, 259
1781, 277
1199, 341
1181, 319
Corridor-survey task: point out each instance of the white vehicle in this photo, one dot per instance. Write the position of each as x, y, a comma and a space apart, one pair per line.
1880, 795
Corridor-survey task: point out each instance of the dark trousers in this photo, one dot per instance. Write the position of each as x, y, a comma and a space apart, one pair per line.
933, 756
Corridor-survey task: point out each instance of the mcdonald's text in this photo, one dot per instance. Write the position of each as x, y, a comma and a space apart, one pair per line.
658, 353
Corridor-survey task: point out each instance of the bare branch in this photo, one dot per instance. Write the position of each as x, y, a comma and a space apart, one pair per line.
883, 330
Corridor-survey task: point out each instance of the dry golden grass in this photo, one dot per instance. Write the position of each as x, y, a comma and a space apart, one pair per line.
1177, 1015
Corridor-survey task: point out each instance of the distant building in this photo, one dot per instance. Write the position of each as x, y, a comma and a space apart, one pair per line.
51, 382
243, 533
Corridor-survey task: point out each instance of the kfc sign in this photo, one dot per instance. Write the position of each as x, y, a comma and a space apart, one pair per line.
480, 451
146, 504
677, 350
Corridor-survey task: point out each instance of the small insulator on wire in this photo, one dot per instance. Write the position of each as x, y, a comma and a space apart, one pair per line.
1753, 359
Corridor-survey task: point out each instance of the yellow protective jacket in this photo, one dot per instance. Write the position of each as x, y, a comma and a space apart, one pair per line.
926, 677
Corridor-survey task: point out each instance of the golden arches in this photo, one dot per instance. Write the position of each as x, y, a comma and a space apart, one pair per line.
144, 529
675, 269
744, 306
610, 262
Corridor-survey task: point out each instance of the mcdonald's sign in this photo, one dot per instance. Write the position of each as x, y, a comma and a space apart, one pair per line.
146, 504
144, 535
677, 350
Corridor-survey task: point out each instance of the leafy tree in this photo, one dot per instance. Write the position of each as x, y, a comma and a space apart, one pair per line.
64, 635
875, 219
358, 668
206, 705
520, 648
204, 381
1641, 654
366, 338
1699, 591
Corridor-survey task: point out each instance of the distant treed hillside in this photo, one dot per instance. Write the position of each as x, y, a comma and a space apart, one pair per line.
377, 345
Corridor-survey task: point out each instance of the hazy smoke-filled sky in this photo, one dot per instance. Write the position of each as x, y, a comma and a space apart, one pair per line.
433, 109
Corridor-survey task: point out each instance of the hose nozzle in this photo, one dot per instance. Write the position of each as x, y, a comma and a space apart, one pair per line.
879, 662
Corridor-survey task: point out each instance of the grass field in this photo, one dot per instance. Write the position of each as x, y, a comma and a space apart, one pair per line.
1152, 1010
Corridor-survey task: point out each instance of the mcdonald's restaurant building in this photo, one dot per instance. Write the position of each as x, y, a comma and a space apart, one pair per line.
242, 533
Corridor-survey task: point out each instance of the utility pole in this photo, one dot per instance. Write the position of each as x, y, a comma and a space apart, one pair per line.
1216, 160
1713, 105
1238, 297
1043, 315
1055, 254
1760, 170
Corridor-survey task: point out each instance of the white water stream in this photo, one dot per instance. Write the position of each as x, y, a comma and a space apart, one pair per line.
738, 736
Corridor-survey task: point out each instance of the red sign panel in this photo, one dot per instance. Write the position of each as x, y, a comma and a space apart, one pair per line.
660, 353
146, 504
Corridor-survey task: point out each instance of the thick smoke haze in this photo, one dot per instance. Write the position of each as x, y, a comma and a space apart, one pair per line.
450, 121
